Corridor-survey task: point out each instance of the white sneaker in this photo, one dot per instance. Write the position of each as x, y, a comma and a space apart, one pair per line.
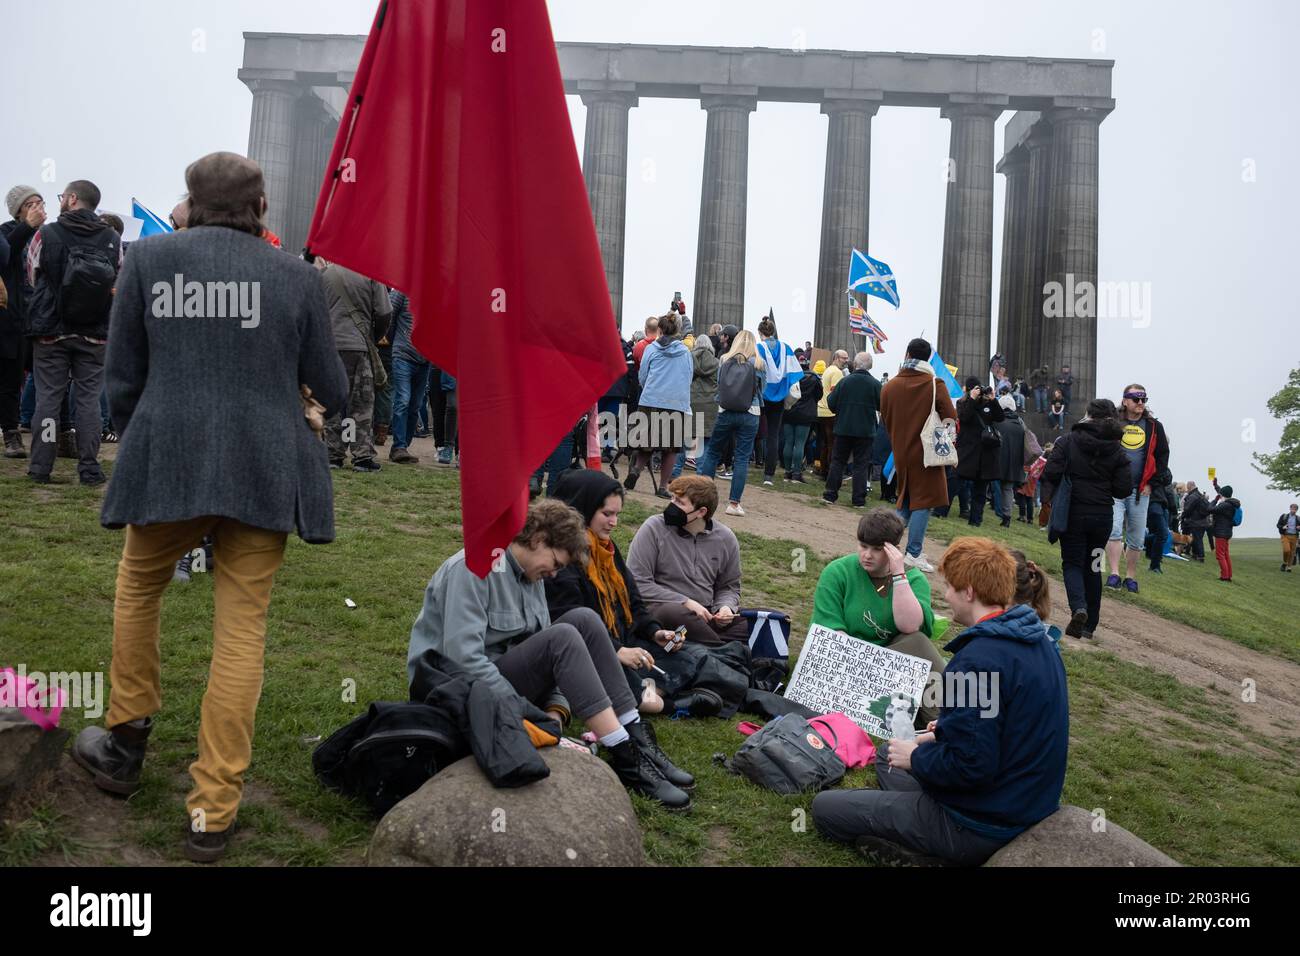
920, 562
734, 509
768, 482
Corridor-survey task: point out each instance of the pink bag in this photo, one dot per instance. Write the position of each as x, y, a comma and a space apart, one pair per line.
33, 704
850, 742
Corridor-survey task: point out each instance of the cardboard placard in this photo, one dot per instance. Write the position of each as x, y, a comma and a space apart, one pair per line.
837, 672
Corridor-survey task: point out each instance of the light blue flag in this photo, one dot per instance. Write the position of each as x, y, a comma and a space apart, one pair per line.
154, 225
872, 277
941, 372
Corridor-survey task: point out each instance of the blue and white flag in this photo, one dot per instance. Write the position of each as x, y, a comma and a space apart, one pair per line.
154, 225
941, 372
872, 277
780, 367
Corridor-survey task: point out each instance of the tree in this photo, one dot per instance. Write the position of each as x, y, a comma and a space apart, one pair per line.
1283, 467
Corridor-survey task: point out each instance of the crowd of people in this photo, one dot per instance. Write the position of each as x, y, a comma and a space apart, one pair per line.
567, 622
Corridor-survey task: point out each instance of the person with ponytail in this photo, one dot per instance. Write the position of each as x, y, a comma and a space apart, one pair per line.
1032, 589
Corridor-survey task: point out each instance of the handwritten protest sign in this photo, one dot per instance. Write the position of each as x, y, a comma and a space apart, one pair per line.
837, 672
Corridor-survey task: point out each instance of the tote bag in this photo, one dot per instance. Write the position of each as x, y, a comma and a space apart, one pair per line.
938, 438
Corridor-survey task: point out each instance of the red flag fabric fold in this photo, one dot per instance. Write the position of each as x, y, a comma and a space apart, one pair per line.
455, 178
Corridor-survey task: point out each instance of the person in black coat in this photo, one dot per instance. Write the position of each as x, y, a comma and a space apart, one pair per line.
1011, 457
978, 444
856, 403
644, 648
797, 423
1099, 473
1196, 514
1222, 513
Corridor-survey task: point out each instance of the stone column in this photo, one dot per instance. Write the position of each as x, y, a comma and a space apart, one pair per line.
1038, 147
966, 289
720, 255
312, 143
1012, 321
604, 166
846, 216
1072, 246
270, 143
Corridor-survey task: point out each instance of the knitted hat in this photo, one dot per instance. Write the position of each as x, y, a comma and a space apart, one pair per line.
1008, 403
820, 367
15, 198
1225, 490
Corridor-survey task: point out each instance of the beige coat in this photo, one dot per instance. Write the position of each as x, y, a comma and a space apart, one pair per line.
905, 404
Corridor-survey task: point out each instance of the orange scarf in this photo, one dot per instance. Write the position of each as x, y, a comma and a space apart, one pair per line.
608, 582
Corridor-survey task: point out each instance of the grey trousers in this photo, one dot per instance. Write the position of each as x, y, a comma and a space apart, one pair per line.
575, 655
53, 365
901, 813
918, 645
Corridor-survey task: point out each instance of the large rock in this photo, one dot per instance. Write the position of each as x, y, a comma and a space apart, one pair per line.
578, 816
29, 759
1069, 838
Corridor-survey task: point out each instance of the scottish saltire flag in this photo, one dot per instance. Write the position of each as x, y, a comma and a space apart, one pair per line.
781, 368
872, 277
154, 225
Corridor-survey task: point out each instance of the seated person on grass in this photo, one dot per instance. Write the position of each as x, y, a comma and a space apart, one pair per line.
687, 566
498, 629
993, 764
644, 648
869, 595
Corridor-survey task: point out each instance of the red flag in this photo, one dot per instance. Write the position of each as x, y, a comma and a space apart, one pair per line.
455, 178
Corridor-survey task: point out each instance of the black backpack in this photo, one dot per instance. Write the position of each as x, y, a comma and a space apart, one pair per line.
788, 756
736, 385
86, 289
388, 752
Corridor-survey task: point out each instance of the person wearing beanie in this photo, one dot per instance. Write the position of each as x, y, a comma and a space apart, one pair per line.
26, 215
1223, 513
1019, 448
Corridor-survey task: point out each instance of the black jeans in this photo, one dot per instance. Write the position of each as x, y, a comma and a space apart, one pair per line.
12, 375
860, 449
772, 414
979, 490
1198, 544
1085, 537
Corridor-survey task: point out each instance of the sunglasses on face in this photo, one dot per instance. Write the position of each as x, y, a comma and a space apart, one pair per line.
1136, 396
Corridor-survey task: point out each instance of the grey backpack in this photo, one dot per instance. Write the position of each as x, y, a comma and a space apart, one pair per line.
788, 756
736, 385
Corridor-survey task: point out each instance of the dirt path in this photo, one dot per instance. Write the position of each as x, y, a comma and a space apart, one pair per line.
1192, 657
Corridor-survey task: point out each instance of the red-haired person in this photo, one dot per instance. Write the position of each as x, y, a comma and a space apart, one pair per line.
993, 764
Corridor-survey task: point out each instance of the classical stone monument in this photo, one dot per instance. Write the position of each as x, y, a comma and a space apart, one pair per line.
299, 87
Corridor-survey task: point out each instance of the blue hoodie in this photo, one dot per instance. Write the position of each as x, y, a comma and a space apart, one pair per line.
665, 375
1000, 775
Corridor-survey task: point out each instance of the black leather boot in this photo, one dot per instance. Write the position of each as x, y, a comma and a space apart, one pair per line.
113, 757
699, 703
644, 735
638, 773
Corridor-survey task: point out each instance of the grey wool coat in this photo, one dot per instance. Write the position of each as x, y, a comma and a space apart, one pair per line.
207, 407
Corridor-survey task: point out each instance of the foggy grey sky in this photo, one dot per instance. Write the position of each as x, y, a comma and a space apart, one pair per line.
117, 93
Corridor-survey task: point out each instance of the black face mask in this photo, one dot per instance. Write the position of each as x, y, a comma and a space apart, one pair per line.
674, 517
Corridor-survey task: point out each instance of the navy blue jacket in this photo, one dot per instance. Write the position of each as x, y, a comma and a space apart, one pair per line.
1000, 774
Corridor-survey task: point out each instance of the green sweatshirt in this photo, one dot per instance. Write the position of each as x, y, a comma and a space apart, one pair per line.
847, 601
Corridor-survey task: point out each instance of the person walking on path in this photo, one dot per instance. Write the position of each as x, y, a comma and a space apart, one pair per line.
855, 402
1148, 453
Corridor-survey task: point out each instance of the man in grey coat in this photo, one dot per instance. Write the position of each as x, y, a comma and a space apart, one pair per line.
212, 333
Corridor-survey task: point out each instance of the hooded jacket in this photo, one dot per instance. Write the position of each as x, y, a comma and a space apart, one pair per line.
1098, 467
1000, 774
1221, 513
1011, 453
804, 411
704, 382
50, 247
665, 375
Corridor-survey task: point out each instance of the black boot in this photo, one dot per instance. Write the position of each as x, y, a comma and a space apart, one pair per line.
1006, 522
644, 735
113, 757
637, 771
699, 703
